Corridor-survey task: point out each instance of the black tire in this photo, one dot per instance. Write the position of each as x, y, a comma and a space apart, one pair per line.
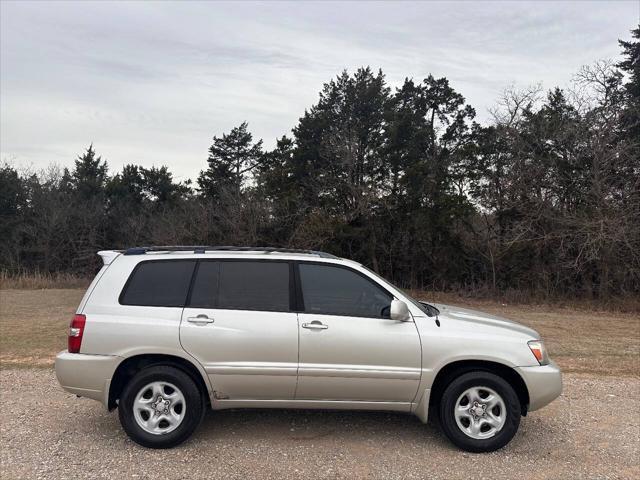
448, 404
193, 414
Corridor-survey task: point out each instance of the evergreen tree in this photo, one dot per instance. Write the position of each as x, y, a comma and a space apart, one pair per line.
13, 196
631, 63
338, 167
127, 187
13, 215
159, 186
89, 176
231, 159
339, 140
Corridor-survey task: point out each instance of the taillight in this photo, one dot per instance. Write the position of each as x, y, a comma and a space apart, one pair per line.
76, 329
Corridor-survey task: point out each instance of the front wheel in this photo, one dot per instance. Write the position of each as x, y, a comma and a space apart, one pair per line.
160, 407
480, 412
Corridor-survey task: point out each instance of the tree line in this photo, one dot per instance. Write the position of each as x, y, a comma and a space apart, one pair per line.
544, 197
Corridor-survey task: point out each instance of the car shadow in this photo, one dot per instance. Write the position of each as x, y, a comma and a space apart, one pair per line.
291, 427
295, 425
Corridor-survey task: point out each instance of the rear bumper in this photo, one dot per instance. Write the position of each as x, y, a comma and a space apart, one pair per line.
543, 382
86, 375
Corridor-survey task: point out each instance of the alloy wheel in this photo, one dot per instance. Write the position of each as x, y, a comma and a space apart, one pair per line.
159, 408
480, 412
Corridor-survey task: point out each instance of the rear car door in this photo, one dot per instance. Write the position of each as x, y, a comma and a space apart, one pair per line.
349, 348
239, 325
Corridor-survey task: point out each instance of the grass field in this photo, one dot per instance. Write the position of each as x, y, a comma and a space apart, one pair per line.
33, 326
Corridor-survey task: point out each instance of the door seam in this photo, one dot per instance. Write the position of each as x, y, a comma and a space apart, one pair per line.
295, 391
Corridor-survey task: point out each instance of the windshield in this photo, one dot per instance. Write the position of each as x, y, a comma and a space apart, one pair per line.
424, 307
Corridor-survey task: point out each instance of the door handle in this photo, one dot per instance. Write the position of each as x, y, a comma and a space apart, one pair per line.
200, 319
315, 325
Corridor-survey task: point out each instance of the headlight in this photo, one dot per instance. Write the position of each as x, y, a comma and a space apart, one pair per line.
539, 351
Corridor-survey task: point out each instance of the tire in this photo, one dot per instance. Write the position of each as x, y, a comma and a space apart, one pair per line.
160, 407
479, 412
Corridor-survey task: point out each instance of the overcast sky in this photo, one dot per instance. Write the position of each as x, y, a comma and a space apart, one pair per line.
151, 83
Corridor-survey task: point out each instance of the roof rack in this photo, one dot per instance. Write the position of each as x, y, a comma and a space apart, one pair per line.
205, 248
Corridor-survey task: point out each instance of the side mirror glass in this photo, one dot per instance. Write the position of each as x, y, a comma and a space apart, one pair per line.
400, 311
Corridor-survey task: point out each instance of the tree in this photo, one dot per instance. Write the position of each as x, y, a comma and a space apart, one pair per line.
89, 176
158, 185
631, 63
428, 132
12, 193
630, 122
559, 191
87, 183
339, 142
127, 187
13, 210
337, 166
231, 158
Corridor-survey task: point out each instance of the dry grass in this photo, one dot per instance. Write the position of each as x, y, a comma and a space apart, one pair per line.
587, 339
33, 326
628, 303
37, 280
34, 323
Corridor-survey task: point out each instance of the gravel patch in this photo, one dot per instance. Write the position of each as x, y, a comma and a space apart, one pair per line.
591, 432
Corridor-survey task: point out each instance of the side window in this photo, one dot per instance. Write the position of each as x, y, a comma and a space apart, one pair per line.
205, 286
338, 291
158, 284
242, 285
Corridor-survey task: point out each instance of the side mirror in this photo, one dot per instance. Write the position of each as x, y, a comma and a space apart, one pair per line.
400, 311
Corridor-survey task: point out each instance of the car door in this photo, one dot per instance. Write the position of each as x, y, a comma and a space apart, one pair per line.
239, 325
349, 348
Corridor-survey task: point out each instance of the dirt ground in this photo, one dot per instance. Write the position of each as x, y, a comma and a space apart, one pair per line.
592, 431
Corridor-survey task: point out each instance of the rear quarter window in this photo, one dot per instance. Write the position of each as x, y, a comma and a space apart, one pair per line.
158, 283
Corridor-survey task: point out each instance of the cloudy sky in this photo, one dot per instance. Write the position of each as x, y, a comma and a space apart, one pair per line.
151, 83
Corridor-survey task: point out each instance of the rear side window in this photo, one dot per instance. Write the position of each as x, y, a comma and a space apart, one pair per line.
205, 286
158, 284
242, 285
339, 291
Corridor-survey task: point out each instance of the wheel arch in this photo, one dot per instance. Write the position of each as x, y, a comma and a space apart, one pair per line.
454, 369
132, 365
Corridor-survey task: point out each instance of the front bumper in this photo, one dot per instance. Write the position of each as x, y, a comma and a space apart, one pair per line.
86, 375
544, 384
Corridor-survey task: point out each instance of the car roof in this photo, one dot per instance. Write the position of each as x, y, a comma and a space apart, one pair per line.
218, 252
223, 248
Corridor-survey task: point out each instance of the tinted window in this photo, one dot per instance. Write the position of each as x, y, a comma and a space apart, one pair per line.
339, 291
205, 286
158, 284
242, 286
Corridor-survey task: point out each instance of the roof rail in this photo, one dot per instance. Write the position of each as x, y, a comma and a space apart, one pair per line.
218, 248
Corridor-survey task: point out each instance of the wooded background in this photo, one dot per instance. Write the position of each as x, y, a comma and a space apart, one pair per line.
544, 198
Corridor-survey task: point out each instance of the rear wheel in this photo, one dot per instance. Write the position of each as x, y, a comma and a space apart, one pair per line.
160, 407
479, 412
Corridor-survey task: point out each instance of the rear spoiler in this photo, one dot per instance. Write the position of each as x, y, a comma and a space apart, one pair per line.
108, 256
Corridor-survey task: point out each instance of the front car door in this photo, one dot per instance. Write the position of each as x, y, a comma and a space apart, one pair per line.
239, 325
349, 349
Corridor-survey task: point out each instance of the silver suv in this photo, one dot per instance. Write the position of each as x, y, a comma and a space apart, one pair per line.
162, 333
